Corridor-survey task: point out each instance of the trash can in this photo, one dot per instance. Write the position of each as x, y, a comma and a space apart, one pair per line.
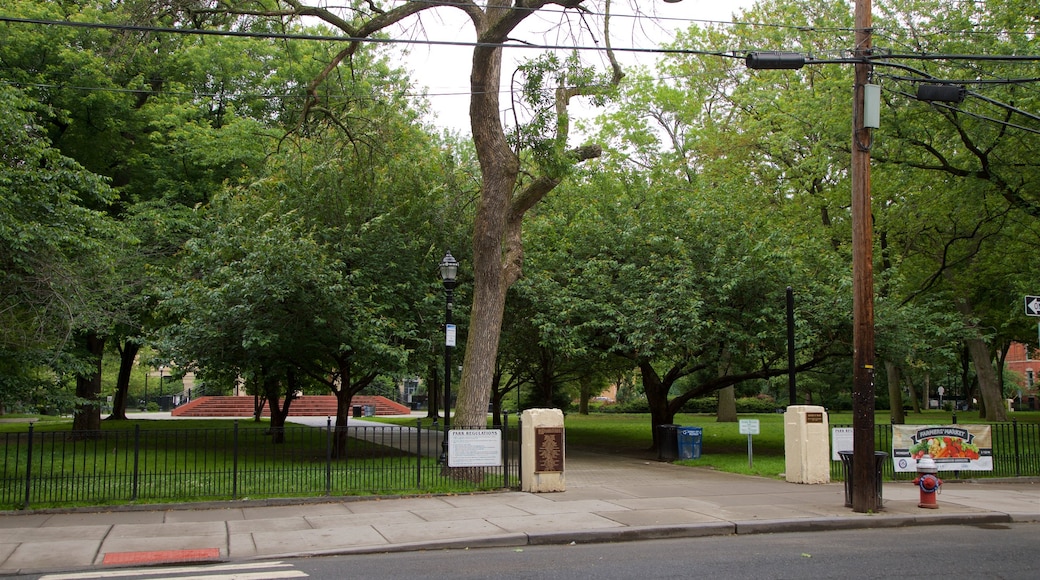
690, 442
358, 410
370, 410
667, 442
846, 468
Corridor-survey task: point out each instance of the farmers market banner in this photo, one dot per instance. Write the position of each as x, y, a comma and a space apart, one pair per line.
953, 447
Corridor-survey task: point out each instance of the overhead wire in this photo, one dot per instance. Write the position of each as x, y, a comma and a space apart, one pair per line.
881, 59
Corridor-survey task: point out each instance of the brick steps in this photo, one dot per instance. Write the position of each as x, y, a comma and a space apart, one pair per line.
305, 406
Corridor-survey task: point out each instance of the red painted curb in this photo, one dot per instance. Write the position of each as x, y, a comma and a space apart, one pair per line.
161, 556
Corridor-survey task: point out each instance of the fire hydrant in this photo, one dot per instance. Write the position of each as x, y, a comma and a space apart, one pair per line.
928, 482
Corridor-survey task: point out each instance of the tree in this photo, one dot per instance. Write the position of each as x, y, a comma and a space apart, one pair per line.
679, 283
948, 178
321, 268
967, 173
142, 111
506, 194
53, 252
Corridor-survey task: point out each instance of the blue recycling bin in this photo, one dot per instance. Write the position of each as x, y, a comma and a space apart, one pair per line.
690, 442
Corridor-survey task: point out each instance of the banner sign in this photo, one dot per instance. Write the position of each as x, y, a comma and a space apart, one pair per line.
953, 447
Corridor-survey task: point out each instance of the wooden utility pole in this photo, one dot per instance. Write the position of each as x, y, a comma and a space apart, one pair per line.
864, 484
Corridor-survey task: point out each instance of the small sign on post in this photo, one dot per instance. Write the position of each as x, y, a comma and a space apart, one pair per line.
1032, 305
749, 427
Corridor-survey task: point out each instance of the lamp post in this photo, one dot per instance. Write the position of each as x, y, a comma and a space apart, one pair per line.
449, 269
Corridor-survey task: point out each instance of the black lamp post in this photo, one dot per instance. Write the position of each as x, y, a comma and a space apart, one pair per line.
449, 269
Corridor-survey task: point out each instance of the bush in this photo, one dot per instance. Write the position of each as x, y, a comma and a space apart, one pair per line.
152, 407
701, 405
758, 404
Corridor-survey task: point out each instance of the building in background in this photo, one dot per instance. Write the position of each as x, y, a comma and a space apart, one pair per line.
1024, 364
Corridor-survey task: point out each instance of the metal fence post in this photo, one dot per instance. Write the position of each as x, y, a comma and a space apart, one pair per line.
234, 462
519, 447
328, 456
1018, 455
137, 458
418, 454
28, 467
505, 453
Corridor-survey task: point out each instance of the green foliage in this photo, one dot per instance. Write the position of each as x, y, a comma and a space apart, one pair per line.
706, 405
56, 256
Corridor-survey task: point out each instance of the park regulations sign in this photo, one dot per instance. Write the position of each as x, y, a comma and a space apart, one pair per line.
474, 448
953, 447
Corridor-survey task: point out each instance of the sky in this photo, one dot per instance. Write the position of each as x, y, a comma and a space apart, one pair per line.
443, 71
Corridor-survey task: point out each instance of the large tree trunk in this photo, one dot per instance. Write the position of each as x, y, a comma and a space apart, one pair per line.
87, 416
339, 441
895, 394
273, 392
584, 393
656, 390
127, 356
915, 400
499, 168
990, 389
727, 406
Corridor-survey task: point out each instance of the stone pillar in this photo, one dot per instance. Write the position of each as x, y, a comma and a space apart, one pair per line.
542, 450
807, 444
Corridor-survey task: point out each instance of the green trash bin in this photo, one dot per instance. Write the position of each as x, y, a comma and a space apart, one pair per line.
690, 442
667, 442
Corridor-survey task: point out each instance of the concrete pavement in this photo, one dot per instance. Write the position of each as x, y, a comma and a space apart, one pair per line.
608, 498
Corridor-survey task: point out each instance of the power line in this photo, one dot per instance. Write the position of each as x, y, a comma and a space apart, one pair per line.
337, 38
970, 114
880, 59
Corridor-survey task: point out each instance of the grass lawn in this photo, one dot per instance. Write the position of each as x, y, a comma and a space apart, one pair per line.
204, 459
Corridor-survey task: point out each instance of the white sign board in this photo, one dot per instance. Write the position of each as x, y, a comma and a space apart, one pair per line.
1032, 305
841, 440
749, 427
449, 335
474, 448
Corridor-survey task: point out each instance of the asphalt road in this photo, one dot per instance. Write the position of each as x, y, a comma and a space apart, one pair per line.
1000, 551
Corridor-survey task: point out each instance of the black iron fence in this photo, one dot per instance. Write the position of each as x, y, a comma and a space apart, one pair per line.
44, 469
1016, 453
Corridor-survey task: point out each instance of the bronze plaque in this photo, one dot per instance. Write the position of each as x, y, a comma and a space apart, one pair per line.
814, 417
548, 450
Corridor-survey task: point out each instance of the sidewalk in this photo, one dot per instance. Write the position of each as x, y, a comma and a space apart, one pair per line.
608, 498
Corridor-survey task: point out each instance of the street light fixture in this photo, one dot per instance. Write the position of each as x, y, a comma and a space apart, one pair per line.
449, 269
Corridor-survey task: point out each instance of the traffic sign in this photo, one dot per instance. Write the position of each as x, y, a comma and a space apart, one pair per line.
1032, 305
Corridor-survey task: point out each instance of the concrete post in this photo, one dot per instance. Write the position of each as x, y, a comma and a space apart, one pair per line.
542, 451
807, 444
